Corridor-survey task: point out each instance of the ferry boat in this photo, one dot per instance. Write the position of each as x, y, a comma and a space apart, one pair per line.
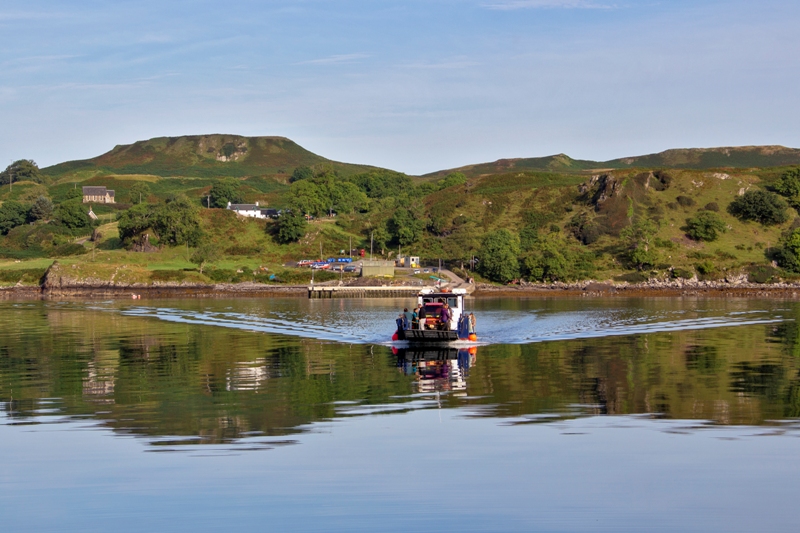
431, 329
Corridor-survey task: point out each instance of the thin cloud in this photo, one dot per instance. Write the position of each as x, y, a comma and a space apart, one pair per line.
444, 65
508, 5
341, 58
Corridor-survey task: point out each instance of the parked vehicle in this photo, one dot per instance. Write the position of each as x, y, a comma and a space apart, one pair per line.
321, 265
416, 271
305, 262
426, 270
350, 268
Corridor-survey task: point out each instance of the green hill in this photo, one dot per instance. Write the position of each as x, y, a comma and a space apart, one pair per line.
199, 156
685, 158
706, 158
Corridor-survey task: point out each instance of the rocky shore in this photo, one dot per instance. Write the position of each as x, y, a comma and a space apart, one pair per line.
734, 287
59, 283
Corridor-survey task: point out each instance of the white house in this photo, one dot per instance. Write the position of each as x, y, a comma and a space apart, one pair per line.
246, 210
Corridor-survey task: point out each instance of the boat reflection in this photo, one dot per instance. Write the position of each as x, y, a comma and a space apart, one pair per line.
437, 369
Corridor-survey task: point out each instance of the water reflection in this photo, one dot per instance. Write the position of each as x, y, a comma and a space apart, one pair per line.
176, 383
437, 369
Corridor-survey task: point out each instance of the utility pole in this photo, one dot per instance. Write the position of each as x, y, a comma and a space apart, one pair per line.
371, 234
350, 251
320, 251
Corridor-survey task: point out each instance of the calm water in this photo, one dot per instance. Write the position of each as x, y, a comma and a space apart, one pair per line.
299, 415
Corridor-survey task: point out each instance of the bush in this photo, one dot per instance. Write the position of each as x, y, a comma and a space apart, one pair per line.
705, 226
632, 277
682, 273
705, 268
665, 243
685, 201
711, 206
762, 274
167, 275
68, 249
760, 206
24, 275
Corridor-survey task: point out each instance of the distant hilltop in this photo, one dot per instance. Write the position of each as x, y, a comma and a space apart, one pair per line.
202, 156
683, 158
217, 155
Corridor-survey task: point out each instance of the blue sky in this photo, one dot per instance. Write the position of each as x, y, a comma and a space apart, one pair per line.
414, 86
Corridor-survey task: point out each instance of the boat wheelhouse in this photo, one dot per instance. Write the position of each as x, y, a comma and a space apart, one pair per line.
431, 328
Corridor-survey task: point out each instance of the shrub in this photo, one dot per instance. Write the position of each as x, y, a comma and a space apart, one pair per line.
759, 206
685, 201
762, 274
711, 206
68, 249
705, 268
664, 243
705, 226
682, 273
632, 277
25, 275
167, 275
789, 184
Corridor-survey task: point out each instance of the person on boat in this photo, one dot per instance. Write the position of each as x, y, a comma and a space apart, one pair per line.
422, 316
444, 316
408, 318
472, 323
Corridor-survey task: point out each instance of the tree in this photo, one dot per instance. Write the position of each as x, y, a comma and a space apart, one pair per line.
139, 193
134, 222
177, 221
454, 178
41, 209
346, 197
174, 222
705, 226
225, 190
12, 214
789, 251
307, 198
72, 215
789, 184
548, 261
22, 170
301, 173
406, 226
638, 237
760, 206
205, 253
292, 227
498, 256
73, 193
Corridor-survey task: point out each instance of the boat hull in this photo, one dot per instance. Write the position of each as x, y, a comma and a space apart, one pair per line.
423, 336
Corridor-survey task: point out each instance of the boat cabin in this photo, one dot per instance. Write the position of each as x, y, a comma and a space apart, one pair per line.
433, 301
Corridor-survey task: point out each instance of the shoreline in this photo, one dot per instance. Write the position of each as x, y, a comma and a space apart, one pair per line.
73, 289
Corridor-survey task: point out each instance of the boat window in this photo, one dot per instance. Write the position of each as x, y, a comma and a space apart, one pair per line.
452, 302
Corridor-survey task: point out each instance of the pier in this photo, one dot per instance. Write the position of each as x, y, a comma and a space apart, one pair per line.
364, 292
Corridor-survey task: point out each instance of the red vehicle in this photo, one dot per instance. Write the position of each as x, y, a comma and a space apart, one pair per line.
362, 252
305, 263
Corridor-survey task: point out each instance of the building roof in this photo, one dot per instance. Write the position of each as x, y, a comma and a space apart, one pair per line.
96, 191
243, 207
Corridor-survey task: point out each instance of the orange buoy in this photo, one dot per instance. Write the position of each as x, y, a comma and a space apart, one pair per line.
473, 337
394, 337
